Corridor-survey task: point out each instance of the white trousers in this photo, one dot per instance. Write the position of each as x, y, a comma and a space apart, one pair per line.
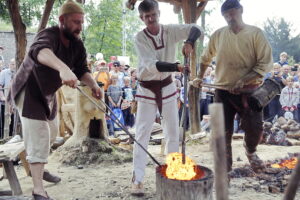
37, 134
145, 118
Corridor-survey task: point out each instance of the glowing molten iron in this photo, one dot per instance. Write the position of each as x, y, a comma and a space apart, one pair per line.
177, 170
290, 163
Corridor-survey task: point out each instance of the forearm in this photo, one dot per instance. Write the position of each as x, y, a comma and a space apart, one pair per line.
88, 80
203, 68
48, 58
250, 77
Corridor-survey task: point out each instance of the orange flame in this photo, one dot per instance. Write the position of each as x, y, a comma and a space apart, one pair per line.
179, 171
290, 163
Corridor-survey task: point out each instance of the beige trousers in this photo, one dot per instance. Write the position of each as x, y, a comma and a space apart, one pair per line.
37, 134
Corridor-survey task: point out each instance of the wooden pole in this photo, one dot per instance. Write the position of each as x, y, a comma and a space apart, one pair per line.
218, 140
291, 189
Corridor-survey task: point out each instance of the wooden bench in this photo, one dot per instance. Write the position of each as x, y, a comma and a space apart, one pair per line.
8, 152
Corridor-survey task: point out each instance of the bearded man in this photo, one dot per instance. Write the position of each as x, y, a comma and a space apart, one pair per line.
57, 56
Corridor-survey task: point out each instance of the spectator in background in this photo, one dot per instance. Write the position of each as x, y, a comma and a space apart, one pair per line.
127, 70
283, 59
111, 63
289, 97
126, 103
117, 71
274, 108
114, 93
1, 55
101, 74
6, 76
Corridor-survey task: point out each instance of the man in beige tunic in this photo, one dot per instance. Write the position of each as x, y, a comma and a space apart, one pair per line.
243, 56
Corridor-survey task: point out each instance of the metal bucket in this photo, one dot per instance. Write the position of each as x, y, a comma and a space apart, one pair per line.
264, 94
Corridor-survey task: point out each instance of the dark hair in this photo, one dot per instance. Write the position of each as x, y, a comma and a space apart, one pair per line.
147, 5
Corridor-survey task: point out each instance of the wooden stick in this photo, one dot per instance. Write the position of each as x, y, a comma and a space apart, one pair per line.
218, 140
291, 189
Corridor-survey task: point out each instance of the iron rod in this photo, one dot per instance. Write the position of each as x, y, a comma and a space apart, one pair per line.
117, 121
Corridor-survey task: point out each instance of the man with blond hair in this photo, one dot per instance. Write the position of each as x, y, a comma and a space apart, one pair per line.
57, 56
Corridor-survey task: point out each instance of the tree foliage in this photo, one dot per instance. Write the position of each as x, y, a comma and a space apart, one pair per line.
278, 32
104, 31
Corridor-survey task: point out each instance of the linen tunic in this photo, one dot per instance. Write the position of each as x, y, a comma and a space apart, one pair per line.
161, 47
41, 82
238, 54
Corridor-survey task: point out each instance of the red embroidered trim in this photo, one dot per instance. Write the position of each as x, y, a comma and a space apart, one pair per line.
153, 41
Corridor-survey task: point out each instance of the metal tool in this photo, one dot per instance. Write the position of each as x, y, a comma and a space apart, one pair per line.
117, 121
184, 113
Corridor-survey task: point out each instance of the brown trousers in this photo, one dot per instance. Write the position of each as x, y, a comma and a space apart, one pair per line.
251, 121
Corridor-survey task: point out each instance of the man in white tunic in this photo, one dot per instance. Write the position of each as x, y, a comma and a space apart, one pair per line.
243, 56
156, 46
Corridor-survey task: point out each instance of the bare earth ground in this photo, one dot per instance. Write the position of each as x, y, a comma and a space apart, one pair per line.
112, 181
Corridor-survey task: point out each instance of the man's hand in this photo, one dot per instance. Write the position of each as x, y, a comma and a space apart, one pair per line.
197, 82
181, 68
68, 77
96, 92
235, 89
187, 49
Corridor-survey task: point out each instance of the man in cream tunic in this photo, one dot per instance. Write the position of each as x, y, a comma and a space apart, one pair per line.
156, 46
243, 56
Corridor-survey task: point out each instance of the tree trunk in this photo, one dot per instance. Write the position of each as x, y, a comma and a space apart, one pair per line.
189, 14
85, 111
19, 30
46, 14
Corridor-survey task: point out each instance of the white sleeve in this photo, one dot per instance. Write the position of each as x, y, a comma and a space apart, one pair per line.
2, 78
181, 31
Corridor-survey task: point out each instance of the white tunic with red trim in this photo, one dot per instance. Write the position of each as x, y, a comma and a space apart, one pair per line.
161, 47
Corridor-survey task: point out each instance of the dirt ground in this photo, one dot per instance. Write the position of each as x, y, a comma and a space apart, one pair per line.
111, 181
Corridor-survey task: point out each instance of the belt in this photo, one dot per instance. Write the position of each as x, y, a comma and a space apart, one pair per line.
156, 87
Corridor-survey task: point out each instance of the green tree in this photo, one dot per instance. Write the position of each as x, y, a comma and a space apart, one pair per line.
104, 31
278, 32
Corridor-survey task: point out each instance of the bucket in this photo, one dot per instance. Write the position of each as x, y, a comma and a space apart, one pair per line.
198, 189
264, 94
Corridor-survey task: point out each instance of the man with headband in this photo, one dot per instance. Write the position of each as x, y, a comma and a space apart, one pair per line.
156, 49
57, 56
243, 56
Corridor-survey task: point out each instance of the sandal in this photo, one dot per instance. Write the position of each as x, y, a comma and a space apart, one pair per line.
256, 163
40, 197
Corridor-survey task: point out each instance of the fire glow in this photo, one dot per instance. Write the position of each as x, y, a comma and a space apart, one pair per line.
179, 171
290, 163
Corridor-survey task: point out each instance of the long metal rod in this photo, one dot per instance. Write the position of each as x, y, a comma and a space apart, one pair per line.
185, 86
117, 121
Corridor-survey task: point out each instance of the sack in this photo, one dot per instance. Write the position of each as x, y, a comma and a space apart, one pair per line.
119, 114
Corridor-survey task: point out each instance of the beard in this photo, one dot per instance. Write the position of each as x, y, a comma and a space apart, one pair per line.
69, 34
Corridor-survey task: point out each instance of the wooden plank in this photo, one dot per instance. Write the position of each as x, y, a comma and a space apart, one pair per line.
10, 151
12, 178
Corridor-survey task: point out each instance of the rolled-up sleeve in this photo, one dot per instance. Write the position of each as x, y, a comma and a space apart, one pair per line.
209, 52
43, 40
264, 54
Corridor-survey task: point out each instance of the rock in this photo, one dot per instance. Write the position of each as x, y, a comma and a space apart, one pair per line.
274, 189
281, 121
114, 140
79, 167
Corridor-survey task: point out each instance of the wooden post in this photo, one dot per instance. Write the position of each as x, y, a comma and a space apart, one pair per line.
218, 140
291, 189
